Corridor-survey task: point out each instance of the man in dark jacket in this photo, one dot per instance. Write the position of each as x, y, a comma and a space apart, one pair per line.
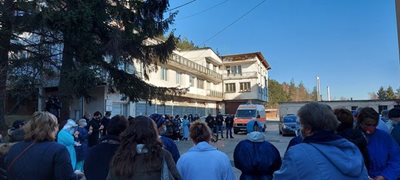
99, 157
219, 121
94, 129
229, 125
168, 143
211, 122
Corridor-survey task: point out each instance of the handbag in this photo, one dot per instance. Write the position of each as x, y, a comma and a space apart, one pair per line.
165, 172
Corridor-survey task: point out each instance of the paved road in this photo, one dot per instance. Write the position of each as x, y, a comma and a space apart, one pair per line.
228, 145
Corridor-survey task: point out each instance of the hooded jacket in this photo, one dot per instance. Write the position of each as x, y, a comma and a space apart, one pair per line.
65, 138
336, 159
204, 161
256, 158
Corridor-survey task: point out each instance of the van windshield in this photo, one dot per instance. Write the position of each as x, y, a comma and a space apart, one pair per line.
246, 113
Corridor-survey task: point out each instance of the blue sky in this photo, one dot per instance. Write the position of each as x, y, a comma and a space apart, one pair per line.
350, 44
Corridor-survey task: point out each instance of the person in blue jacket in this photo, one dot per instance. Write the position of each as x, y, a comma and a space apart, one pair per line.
66, 138
384, 152
256, 157
322, 154
204, 161
168, 143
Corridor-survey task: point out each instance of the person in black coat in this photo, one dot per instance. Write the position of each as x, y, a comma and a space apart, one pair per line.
99, 157
95, 129
347, 131
229, 125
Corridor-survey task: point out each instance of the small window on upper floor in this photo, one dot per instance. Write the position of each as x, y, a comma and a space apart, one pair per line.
245, 87
164, 74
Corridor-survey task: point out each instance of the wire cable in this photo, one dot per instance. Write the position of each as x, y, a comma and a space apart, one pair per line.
177, 7
203, 11
238, 19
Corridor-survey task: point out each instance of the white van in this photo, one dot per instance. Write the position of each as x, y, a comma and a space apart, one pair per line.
247, 112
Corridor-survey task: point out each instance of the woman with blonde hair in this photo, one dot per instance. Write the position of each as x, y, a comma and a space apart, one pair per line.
140, 154
38, 156
204, 161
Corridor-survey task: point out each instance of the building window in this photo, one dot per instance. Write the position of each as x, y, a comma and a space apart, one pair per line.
230, 87
245, 87
164, 74
191, 81
200, 83
354, 108
236, 69
228, 70
178, 78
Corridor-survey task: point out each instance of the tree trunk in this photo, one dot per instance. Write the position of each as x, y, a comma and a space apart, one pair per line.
64, 88
5, 39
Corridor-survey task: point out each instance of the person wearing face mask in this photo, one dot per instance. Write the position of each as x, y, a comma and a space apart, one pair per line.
322, 154
168, 143
66, 138
382, 149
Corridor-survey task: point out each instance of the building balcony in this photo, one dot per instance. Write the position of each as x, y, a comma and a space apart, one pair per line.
216, 94
244, 75
200, 71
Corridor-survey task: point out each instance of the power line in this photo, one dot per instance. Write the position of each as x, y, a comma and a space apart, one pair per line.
181, 5
226, 27
205, 10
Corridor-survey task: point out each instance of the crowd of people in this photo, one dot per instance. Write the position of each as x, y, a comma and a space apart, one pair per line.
332, 144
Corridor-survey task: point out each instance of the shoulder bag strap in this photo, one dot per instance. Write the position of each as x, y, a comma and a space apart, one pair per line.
18, 156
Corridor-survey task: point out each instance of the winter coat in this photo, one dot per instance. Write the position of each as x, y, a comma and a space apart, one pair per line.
98, 159
396, 133
65, 138
170, 145
94, 137
44, 160
142, 171
357, 138
204, 161
384, 155
336, 159
82, 150
256, 158
185, 128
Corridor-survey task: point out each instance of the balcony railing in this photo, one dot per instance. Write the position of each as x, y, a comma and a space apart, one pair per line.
240, 75
196, 67
216, 94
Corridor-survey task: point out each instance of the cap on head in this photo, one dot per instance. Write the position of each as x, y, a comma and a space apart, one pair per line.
158, 119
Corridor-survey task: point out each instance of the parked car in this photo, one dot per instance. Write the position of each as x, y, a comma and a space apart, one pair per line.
288, 125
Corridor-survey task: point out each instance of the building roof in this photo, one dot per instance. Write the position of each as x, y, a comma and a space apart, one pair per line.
238, 57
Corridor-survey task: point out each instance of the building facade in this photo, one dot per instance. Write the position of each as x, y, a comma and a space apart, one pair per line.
198, 70
379, 105
245, 80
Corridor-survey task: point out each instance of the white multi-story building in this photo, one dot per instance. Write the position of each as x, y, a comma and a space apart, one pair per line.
197, 70
245, 80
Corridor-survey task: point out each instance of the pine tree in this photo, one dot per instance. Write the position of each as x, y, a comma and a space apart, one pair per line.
390, 93
382, 94
97, 37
